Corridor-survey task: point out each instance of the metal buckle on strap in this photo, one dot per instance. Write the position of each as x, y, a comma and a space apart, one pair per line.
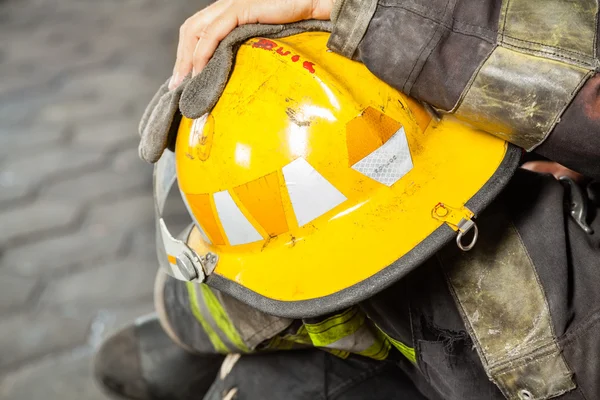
460, 220
175, 256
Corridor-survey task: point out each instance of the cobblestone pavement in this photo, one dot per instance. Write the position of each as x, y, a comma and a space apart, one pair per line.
76, 226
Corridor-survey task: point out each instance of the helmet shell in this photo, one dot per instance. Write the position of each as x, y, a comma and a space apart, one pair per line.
317, 184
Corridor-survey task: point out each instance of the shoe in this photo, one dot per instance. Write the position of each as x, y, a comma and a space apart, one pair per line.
141, 362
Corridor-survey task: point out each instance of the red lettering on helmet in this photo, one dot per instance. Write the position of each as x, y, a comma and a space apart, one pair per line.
309, 66
264, 44
267, 44
280, 51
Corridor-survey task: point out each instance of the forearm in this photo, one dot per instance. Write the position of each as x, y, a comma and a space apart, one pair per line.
511, 69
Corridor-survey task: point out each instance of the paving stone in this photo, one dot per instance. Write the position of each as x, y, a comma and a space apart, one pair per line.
104, 285
175, 214
22, 174
14, 291
106, 135
105, 231
119, 84
25, 337
31, 140
94, 111
60, 50
34, 94
36, 218
89, 70
127, 160
126, 214
95, 185
110, 320
67, 378
70, 376
45, 257
63, 50
16, 192
143, 246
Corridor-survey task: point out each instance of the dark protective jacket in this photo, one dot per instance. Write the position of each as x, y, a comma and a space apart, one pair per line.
518, 316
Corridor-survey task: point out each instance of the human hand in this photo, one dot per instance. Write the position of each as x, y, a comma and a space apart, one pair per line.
200, 34
554, 168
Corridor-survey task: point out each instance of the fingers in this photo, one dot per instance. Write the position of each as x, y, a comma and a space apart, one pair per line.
189, 35
209, 37
200, 35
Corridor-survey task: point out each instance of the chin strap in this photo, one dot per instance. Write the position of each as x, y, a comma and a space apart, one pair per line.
174, 255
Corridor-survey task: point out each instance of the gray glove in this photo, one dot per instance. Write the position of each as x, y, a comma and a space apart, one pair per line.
196, 96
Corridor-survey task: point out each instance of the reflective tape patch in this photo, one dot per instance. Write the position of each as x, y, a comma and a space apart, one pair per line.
349, 332
201, 210
368, 132
214, 338
336, 328
406, 351
195, 220
219, 315
388, 163
262, 199
214, 320
380, 349
237, 227
310, 193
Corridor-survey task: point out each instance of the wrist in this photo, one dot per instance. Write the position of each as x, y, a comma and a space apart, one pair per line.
321, 9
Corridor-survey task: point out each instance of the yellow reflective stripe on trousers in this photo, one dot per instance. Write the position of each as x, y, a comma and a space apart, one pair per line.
335, 328
290, 341
408, 352
222, 319
212, 335
301, 336
380, 349
279, 343
349, 332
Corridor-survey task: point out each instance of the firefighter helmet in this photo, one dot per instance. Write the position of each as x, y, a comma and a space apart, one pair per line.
313, 184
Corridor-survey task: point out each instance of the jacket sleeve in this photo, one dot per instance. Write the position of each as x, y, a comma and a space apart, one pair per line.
521, 70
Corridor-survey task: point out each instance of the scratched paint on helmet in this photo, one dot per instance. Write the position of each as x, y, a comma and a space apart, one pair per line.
279, 112
200, 138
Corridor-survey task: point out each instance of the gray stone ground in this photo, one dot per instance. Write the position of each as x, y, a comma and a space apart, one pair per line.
76, 227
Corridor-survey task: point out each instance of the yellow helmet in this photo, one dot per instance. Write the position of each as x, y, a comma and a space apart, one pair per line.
314, 185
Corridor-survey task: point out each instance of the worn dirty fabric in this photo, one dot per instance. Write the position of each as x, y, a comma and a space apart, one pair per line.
310, 375
510, 67
499, 295
208, 321
576, 139
517, 316
195, 96
523, 323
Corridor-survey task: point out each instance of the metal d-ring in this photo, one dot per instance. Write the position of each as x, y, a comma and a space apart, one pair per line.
463, 232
